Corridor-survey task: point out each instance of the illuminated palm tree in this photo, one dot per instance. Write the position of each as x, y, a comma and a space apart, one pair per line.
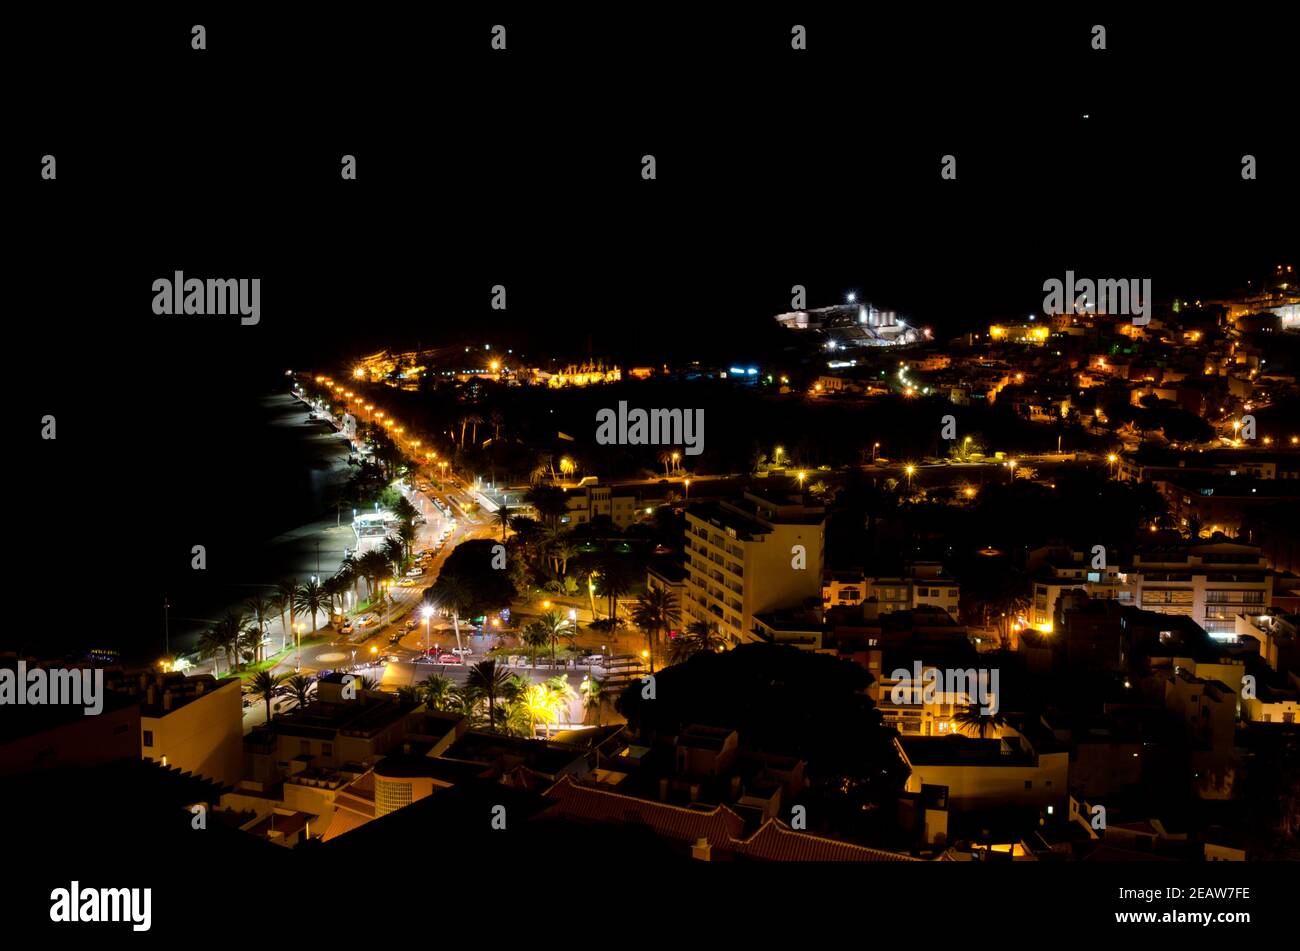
287, 591
556, 626
503, 519
563, 696
311, 599
535, 637
593, 692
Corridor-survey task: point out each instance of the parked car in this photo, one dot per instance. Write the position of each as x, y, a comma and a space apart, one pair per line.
346, 628
366, 620
415, 572
463, 651
449, 659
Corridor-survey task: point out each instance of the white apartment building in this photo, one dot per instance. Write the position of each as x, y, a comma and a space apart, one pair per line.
751, 556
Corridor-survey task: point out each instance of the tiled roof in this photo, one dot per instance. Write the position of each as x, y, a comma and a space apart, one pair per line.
777, 842
722, 827
719, 825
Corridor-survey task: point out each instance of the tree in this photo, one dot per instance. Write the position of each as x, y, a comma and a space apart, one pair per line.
263, 685
550, 502
503, 519
287, 591
593, 692
262, 609
974, 719
301, 688
655, 612
556, 626
439, 692
227, 633
535, 637
490, 682
335, 588
614, 581
699, 637
563, 696
311, 599
452, 595
210, 646
372, 566
394, 553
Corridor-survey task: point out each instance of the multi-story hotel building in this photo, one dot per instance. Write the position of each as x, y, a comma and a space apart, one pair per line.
753, 555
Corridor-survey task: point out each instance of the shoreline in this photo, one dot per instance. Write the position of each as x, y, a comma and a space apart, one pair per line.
313, 547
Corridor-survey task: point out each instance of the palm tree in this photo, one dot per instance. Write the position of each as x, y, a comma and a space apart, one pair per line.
280, 606
614, 581
408, 693
395, 552
262, 609
439, 692
301, 686
288, 592
699, 637
490, 681
540, 704
655, 612
263, 685
453, 595
227, 632
503, 519
563, 695
556, 626
474, 420
335, 587
372, 566
535, 637
559, 552
210, 646
974, 719
311, 599
408, 533
593, 691
666, 457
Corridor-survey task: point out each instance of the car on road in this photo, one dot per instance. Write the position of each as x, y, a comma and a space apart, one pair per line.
463, 651
346, 628
406, 583
366, 620
412, 623
393, 658
415, 572
395, 637
449, 659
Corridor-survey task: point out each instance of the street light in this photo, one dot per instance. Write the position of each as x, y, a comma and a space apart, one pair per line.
911, 471
427, 611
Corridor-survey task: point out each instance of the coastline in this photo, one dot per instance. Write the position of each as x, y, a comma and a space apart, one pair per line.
317, 465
